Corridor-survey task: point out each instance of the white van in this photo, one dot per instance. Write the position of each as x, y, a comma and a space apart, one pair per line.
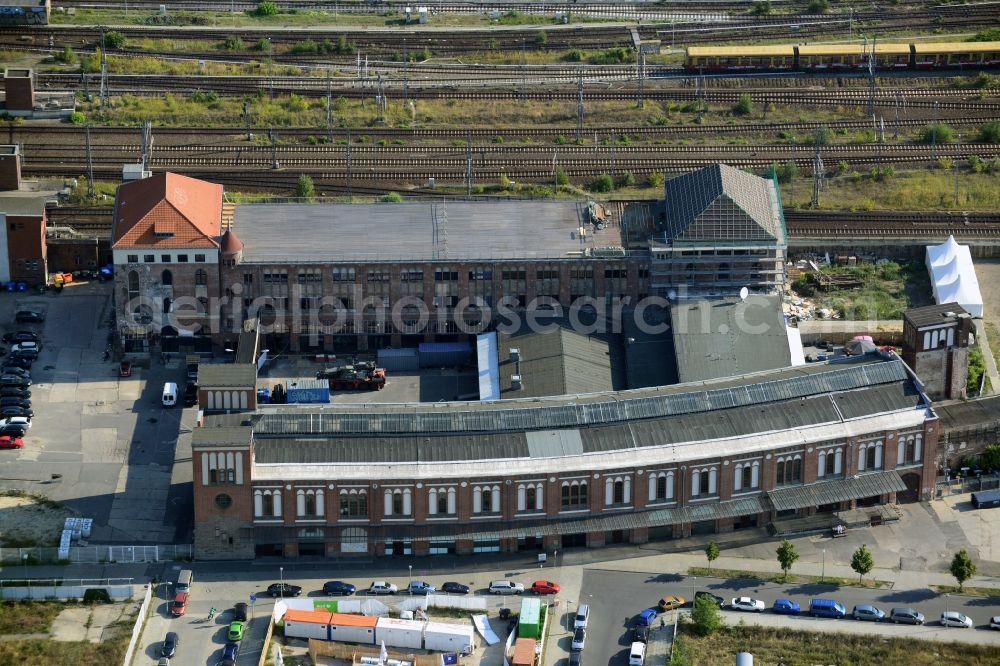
582, 615
184, 580
169, 394
637, 655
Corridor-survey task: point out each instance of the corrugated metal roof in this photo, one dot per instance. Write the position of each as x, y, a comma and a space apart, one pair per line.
932, 315
877, 398
554, 443
235, 435
557, 362
969, 413
828, 492
390, 449
222, 375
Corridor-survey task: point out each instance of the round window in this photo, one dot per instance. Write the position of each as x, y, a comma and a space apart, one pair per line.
223, 500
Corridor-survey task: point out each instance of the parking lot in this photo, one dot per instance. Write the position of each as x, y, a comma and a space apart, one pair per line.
99, 443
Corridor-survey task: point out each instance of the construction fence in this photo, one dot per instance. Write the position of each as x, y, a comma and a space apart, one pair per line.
118, 589
97, 554
140, 620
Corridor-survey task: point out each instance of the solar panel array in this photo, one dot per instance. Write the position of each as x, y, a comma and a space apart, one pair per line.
580, 415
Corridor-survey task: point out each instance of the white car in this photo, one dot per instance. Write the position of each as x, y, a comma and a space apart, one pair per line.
16, 420
382, 587
747, 604
956, 619
506, 587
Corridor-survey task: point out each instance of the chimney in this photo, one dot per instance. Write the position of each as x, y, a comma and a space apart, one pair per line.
19, 85
515, 382
515, 354
10, 168
964, 330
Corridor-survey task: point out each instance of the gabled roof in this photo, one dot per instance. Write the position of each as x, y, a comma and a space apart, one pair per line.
933, 315
168, 210
722, 204
556, 362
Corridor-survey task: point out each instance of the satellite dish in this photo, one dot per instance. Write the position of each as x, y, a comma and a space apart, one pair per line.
744, 292
672, 295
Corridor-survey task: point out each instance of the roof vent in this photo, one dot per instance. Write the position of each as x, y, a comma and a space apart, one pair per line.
515, 354
948, 314
515, 382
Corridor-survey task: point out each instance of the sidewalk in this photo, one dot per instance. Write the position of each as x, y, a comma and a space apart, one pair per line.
991, 365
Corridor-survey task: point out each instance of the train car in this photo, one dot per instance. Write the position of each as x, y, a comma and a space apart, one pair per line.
25, 12
813, 57
956, 54
740, 58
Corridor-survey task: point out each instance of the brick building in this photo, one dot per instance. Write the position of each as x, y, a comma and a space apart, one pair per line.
588, 470
23, 248
936, 347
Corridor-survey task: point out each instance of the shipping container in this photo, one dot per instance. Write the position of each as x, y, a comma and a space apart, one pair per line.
307, 624
308, 391
524, 652
398, 360
530, 622
352, 628
444, 354
442, 637
400, 633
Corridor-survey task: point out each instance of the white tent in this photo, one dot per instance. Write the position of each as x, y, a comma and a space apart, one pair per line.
953, 276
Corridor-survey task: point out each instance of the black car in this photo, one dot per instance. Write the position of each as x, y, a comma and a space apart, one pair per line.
18, 361
717, 600
14, 380
19, 337
13, 430
31, 354
190, 395
240, 612
30, 316
15, 402
575, 658
640, 634
14, 392
283, 590
169, 647
8, 411
338, 588
20, 372
451, 587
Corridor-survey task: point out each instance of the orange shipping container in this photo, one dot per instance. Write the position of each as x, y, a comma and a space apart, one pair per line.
524, 652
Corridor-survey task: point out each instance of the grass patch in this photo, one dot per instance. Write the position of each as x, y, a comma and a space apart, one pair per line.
911, 190
769, 577
28, 617
779, 645
967, 590
887, 290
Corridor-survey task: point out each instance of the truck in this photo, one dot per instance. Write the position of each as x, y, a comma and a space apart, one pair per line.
363, 375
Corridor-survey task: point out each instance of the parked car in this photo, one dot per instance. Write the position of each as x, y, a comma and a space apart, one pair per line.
190, 395
670, 603
420, 587
646, 617
747, 604
956, 619
170, 644
16, 421
15, 402
283, 590
9, 442
163, 661
10, 410
26, 350
575, 659
236, 629
240, 613
545, 587
995, 622
716, 599
226, 662
506, 587
827, 608
231, 651
20, 372
582, 616
579, 640
868, 613
29, 316
451, 587
906, 616
22, 362
338, 588
179, 605
15, 431
785, 607
14, 380
382, 587
15, 392
16, 337
640, 634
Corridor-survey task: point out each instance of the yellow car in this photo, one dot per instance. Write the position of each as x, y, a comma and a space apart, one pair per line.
670, 603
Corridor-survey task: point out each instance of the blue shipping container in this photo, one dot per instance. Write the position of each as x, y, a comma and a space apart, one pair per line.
308, 391
438, 354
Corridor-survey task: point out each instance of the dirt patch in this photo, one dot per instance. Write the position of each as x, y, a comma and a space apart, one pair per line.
29, 522
87, 623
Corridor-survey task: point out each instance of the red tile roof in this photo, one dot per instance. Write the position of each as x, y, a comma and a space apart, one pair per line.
168, 210
231, 244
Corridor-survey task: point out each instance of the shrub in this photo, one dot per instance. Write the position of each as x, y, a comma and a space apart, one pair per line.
560, 140
262, 44
265, 9
825, 135
209, 98
392, 197
615, 56
938, 133
602, 183
761, 8
114, 40
744, 105
66, 56
297, 103
562, 178
842, 167
504, 182
305, 189
976, 164
990, 35
656, 179
305, 47
344, 47
627, 179
574, 55
786, 172
96, 596
234, 43
977, 366
77, 118
990, 132
705, 615
541, 39
818, 6
945, 163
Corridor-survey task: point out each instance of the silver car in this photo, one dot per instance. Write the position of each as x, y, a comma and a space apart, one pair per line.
956, 619
868, 613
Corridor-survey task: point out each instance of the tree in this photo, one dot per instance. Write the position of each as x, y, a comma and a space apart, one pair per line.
786, 556
990, 459
862, 561
818, 6
744, 105
305, 189
114, 40
938, 133
962, 568
711, 553
705, 615
541, 39
990, 132
602, 183
266, 9
562, 178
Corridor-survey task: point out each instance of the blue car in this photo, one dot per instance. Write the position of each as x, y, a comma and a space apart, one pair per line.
785, 607
338, 588
231, 651
646, 618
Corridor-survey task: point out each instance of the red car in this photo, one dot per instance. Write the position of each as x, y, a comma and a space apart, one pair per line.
8, 442
125, 369
545, 587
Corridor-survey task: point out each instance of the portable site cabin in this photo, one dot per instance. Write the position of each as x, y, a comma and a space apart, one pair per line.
443, 637
400, 633
530, 623
352, 628
307, 624
524, 652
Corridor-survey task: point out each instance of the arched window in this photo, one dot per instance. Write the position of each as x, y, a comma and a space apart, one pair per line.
780, 475
821, 465
870, 457
167, 278
619, 492
133, 285
442, 501
747, 472
530, 495
310, 505
797, 469
201, 277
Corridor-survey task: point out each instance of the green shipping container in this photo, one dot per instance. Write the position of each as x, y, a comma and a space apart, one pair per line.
530, 622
